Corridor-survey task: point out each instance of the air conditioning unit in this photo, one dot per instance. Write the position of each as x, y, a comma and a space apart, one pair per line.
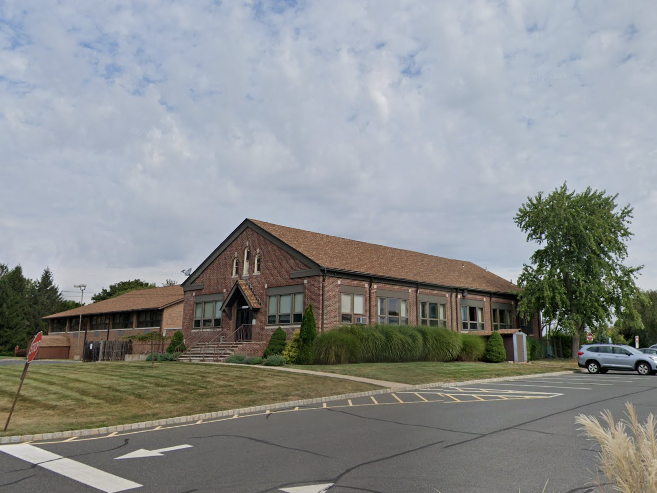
361, 320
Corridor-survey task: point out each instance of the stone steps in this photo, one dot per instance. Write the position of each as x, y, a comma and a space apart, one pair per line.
204, 351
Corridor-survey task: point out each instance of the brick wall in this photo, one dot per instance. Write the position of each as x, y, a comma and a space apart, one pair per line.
172, 317
276, 266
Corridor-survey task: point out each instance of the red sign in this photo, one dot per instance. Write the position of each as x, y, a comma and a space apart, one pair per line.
589, 337
34, 347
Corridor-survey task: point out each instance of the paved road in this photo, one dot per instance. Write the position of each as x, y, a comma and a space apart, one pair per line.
21, 362
496, 437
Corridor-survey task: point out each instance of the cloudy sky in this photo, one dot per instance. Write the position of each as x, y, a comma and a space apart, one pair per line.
136, 135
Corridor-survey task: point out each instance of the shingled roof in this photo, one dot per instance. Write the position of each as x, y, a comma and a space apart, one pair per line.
141, 299
342, 254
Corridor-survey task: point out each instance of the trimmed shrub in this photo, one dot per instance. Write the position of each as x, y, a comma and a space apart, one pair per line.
291, 352
335, 347
495, 352
308, 334
473, 348
253, 360
177, 344
439, 344
160, 357
274, 360
236, 358
277, 343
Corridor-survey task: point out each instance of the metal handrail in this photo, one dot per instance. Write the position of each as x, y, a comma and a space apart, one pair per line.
218, 335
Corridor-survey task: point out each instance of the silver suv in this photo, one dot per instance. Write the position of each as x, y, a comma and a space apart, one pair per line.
599, 358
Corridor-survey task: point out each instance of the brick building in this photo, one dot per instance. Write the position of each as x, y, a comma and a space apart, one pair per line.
263, 276
133, 313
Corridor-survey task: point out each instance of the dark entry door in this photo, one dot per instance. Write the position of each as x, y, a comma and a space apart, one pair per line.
243, 325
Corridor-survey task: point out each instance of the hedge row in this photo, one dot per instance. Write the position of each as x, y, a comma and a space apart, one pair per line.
394, 344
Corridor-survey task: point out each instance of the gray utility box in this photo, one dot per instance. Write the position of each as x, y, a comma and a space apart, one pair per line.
520, 347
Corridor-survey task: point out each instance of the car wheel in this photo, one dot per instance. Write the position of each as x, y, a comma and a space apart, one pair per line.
593, 367
643, 368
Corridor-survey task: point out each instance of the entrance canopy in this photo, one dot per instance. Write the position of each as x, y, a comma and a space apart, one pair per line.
241, 291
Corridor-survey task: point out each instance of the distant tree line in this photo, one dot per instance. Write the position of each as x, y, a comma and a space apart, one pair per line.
23, 303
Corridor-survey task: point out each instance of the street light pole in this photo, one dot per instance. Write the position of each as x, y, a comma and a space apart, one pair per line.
81, 287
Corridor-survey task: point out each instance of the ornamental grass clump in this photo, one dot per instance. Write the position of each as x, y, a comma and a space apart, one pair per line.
439, 344
401, 344
628, 460
336, 347
473, 348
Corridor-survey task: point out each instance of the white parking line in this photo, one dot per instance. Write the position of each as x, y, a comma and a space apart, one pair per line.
539, 386
76, 471
556, 381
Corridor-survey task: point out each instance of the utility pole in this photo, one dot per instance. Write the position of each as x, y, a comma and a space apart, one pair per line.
81, 287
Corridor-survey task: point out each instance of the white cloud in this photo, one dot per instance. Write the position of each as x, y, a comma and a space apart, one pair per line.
137, 135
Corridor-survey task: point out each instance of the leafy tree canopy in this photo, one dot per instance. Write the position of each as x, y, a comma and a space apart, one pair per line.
23, 303
646, 307
577, 276
120, 288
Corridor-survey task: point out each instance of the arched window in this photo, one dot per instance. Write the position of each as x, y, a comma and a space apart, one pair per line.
236, 266
247, 253
258, 264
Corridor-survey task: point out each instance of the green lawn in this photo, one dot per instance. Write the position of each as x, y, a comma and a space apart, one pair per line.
428, 372
91, 395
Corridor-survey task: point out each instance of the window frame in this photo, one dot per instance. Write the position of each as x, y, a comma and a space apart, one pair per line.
467, 324
385, 318
348, 317
155, 318
216, 310
121, 324
236, 266
439, 321
274, 301
100, 325
257, 263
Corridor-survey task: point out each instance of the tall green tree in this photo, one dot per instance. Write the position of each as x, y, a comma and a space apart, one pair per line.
46, 299
308, 335
577, 276
646, 306
120, 288
15, 308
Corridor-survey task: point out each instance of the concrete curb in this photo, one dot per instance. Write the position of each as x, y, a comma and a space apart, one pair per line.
268, 407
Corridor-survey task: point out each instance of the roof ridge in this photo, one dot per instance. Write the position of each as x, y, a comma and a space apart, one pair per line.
260, 223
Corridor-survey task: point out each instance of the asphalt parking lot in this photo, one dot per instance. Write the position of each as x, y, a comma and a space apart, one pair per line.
503, 436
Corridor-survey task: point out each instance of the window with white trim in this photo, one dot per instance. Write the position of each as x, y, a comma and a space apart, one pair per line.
351, 305
247, 255
392, 311
472, 317
433, 314
236, 266
257, 264
207, 314
285, 309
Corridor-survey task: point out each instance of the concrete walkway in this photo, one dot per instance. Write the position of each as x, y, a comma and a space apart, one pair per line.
371, 381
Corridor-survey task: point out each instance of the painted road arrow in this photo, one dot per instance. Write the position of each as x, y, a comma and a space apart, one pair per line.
312, 488
138, 454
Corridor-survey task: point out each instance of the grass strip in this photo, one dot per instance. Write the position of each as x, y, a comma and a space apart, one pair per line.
92, 395
420, 372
